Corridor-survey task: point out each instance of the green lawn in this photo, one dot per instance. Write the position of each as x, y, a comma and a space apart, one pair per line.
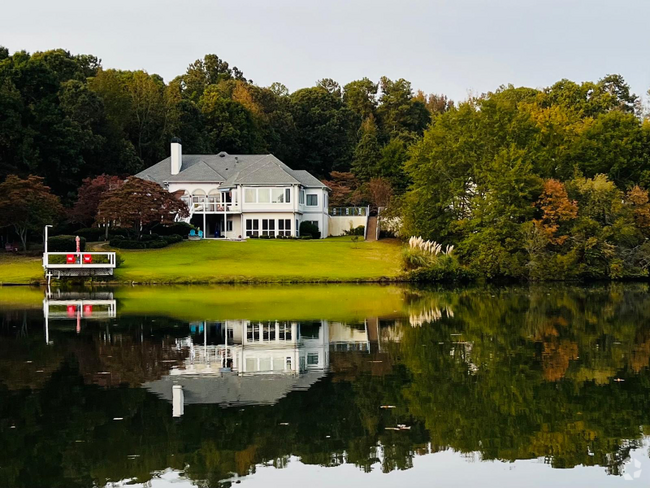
20, 269
255, 260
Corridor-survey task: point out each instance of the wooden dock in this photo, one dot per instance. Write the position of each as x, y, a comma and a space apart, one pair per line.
78, 264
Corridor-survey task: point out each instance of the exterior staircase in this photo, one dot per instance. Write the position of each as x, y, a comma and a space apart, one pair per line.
371, 231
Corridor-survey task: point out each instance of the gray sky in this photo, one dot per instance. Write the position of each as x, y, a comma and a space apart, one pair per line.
442, 46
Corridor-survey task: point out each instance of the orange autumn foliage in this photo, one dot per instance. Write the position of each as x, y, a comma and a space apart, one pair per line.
638, 199
556, 209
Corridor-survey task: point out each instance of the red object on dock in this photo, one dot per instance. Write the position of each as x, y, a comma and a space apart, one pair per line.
88, 310
70, 259
88, 259
72, 310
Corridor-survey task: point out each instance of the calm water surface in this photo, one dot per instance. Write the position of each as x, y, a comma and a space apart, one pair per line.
325, 386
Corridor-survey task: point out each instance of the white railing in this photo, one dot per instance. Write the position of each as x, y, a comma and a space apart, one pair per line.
209, 205
348, 211
79, 260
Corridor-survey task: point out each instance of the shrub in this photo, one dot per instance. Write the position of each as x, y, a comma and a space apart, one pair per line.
149, 237
118, 231
173, 238
416, 258
156, 244
91, 233
126, 243
356, 231
309, 229
179, 228
446, 269
65, 244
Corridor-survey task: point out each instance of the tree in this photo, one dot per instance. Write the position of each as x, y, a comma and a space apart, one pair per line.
367, 152
556, 210
398, 111
90, 194
361, 97
324, 131
380, 192
638, 199
344, 186
27, 205
138, 203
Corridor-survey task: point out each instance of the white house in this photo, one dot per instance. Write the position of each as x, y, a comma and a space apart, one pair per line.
232, 196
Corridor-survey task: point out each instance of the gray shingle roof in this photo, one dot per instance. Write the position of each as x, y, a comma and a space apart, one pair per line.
231, 389
229, 170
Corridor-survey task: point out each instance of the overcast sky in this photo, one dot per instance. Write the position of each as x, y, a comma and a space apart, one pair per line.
442, 46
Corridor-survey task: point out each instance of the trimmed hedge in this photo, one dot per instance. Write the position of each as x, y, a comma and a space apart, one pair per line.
172, 239
65, 244
149, 241
179, 228
309, 229
126, 243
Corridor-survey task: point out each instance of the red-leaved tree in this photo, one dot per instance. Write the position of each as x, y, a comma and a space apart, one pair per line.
27, 205
91, 192
138, 203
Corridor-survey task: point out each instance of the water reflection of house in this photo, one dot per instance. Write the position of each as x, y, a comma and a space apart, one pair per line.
241, 362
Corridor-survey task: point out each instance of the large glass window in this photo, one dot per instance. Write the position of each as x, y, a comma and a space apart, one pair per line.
312, 200
287, 195
263, 195
249, 195
252, 227
312, 358
268, 227
277, 195
302, 197
284, 227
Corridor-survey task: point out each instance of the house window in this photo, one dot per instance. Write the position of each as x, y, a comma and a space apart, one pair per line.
312, 200
252, 333
302, 197
285, 332
314, 222
252, 227
229, 226
249, 195
268, 227
312, 359
268, 332
297, 228
284, 227
287, 195
277, 195
263, 195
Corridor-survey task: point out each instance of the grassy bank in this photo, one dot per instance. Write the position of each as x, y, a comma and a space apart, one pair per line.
252, 261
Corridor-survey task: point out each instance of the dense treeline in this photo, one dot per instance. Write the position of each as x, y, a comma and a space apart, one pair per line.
65, 118
525, 183
531, 183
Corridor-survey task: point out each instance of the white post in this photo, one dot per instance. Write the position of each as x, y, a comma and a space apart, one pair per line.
178, 401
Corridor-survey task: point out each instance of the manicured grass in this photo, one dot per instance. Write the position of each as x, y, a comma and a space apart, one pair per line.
254, 261
259, 260
17, 269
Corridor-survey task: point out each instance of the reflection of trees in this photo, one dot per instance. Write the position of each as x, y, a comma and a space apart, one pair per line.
543, 377
513, 373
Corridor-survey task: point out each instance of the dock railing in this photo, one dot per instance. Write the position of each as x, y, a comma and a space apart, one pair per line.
78, 260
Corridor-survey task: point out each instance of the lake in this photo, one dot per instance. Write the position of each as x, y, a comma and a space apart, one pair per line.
325, 385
